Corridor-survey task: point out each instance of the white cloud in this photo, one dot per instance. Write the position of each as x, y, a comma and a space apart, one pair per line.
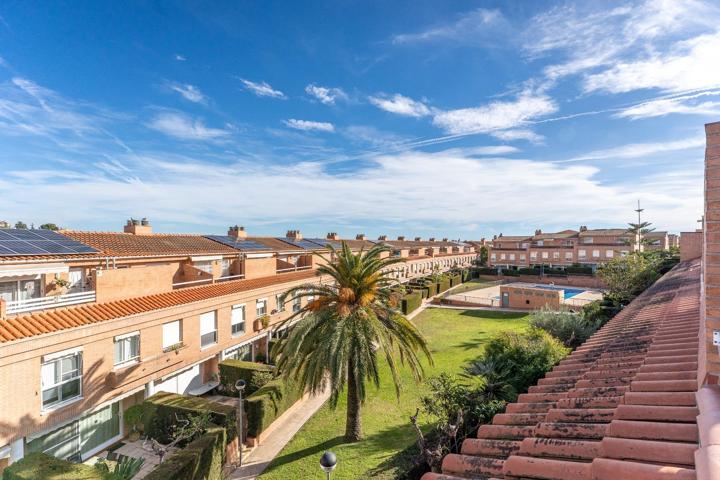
188, 92
326, 95
637, 150
180, 58
262, 89
400, 105
310, 125
501, 118
517, 134
659, 108
181, 126
477, 25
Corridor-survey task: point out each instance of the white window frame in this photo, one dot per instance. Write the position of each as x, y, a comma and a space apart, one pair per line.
609, 254
545, 255
582, 253
126, 340
297, 304
166, 345
57, 358
279, 303
556, 255
512, 257
260, 312
533, 255
234, 320
493, 257
568, 255
596, 254
214, 331
522, 256
502, 256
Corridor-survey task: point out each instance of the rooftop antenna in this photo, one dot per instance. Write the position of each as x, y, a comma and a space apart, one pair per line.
638, 238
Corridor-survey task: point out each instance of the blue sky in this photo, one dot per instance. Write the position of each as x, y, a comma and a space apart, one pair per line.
457, 119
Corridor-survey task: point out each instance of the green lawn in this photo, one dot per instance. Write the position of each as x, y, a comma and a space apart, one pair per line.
455, 337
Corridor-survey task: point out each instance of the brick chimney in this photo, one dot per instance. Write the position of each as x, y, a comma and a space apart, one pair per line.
418, 239
401, 238
445, 239
432, 239
583, 228
138, 227
237, 232
333, 236
360, 236
382, 238
538, 232
294, 234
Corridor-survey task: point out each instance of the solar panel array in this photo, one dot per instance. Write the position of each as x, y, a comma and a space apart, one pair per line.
238, 244
324, 242
305, 243
15, 242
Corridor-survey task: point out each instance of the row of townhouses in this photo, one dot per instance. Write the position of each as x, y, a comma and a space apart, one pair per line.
94, 322
568, 247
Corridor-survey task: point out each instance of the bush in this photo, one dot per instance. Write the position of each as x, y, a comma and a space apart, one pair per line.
260, 379
528, 271
465, 275
571, 328
443, 284
268, 403
510, 273
579, 270
36, 466
233, 370
201, 459
485, 271
424, 292
527, 356
411, 302
163, 409
133, 417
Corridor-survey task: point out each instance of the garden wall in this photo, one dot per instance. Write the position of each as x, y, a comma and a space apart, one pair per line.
584, 281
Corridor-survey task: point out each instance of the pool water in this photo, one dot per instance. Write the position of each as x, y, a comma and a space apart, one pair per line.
569, 292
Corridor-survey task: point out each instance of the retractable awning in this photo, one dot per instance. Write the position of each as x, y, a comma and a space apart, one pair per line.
29, 270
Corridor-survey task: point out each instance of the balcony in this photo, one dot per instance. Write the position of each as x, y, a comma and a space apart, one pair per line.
207, 281
15, 307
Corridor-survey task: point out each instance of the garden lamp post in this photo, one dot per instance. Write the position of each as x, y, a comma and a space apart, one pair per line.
328, 462
240, 386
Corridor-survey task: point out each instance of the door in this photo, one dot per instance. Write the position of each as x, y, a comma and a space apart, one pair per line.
182, 382
99, 428
505, 299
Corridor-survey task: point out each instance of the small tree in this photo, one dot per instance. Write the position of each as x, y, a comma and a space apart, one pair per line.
483, 256
183, 430
49, 226
21, 225
567, 326
627, 277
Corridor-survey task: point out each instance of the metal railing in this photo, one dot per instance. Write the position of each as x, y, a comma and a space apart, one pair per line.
208, 280
42, 303
294, 269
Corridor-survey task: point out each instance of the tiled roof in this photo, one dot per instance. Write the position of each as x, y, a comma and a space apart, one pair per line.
563, 234
602, 232
127, 244
622, 406
512, 238
65, 318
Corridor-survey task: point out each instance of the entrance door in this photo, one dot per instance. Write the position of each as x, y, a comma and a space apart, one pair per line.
505, 299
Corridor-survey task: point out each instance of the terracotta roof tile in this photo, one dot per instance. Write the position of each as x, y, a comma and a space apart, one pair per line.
127, 244
621, 406
24, 326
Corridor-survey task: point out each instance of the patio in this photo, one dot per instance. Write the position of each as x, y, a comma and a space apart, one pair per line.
133, 450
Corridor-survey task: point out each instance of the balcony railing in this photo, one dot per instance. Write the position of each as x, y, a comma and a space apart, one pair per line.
42, 303
294, 269
207, 281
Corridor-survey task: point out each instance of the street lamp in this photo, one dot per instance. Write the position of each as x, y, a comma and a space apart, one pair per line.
240, 387
328, 462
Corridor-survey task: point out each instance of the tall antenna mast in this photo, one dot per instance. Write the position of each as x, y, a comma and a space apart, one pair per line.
638, 237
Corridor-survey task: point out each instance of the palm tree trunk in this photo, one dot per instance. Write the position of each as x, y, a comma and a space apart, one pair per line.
353, 423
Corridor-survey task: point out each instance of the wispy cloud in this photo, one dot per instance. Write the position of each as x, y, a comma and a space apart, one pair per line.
309, 125
400, 105
637, 150
686, 104
180, 58
326, 95
504, 119
179, 125
262, 89
189, 92
477, 25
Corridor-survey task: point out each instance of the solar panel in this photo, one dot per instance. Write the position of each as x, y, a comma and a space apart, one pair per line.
304, 244
237, 243
324, 242
15, 242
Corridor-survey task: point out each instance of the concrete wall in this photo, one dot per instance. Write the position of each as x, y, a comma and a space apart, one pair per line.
691, 245
530, 298
260, 267
119, 283
570, 281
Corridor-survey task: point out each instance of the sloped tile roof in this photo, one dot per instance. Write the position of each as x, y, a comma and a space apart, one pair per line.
621, 406
604, 232
127, 244
38, 323
562, 234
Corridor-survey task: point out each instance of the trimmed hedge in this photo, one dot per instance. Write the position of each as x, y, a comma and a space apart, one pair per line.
510, 273
465, 275
233, 370
424, 292
36, 466
201, 459
411, 302
486, 271
443, 284
529, 271
579, 270
455, 279
268, 403
161, 410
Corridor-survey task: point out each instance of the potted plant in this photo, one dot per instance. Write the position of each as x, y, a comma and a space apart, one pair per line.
133, 417
61, 286
261, 323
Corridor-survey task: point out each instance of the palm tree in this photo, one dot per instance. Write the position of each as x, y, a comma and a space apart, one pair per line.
639, 232
346, 328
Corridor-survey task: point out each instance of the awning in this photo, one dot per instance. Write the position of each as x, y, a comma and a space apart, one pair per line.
25, 270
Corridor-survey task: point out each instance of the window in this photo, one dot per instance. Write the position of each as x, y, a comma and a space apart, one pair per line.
533, 255
556, 255
237, 320
297, 305
540, 243
172, 334
243, 352
261, 307
522, 257
493, 257
609, 254
596, 253
206, 267
502, 256
582, 253
127, 348
76, 279
544, 254
225, 267
280, 303
61, 376
512, 256
588, 240
208, 329
568, 255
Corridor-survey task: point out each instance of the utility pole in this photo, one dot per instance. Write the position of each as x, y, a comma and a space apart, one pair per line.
638, 235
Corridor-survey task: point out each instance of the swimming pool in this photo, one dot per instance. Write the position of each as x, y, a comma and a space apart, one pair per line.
569, 292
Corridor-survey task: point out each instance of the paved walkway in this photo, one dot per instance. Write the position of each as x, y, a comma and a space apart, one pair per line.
279, 434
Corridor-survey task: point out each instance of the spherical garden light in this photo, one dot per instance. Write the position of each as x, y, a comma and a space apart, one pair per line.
328, 462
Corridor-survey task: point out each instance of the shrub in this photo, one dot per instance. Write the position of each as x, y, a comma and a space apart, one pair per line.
36, 465
133, 417
579, 270
569, 327
528, 356
411, 302
163, 409
599, 312
465, 275
485, 271
201, 459
233, 370
268, 403
259, 379
443, 284
510, 273
529, 271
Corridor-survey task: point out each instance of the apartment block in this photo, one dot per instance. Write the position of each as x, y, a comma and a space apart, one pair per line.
93, 322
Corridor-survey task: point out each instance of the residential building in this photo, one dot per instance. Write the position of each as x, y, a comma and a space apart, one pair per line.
93, 322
